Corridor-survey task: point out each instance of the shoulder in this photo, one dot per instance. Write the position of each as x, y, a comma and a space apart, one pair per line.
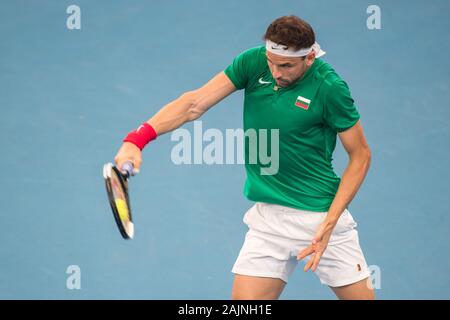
246, 66
253, 57
332, 81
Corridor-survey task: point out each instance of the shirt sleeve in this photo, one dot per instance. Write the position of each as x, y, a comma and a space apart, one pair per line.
340, 112
243, 68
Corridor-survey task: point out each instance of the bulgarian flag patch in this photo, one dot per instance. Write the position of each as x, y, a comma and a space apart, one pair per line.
302, 102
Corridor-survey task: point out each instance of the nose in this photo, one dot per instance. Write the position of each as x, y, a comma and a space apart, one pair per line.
276, 73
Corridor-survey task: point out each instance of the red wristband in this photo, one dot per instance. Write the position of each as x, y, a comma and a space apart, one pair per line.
141, 136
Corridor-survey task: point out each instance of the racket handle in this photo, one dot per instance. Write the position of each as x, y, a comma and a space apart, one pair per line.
128, 169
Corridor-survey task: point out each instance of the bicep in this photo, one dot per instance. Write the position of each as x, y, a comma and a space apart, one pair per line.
219, 87
353, 139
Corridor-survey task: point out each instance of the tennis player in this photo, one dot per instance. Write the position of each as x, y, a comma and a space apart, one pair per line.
301, 212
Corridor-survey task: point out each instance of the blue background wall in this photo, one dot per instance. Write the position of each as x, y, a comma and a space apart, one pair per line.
67, 98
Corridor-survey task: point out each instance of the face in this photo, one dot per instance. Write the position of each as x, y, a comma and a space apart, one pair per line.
287, 70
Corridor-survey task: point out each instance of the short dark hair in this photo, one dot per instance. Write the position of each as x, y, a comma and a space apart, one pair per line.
291, 31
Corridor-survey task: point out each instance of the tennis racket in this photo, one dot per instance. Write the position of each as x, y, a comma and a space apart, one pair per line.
117, 189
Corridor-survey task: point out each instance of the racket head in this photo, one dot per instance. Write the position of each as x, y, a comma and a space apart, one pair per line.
117, 189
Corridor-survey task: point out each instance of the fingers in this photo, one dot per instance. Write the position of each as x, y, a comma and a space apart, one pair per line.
304, 253
313, 262
129, 153
316, 261
120, 162
309, 263
125, 166
136, 164
315, 248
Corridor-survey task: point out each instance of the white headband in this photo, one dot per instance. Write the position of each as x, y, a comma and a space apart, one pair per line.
289, 52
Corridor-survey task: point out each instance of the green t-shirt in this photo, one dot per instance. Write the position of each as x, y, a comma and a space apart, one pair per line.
308, 115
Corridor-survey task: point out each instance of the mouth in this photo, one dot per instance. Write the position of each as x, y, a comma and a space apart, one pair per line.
282, 82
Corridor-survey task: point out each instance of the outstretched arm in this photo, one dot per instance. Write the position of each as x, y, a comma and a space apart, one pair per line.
191, 105
188, 107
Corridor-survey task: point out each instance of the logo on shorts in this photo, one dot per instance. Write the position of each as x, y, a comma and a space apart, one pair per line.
359, 267
302, 102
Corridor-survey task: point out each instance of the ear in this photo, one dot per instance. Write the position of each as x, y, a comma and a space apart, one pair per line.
310, 58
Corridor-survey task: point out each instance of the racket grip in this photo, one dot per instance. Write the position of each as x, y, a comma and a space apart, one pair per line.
128, 169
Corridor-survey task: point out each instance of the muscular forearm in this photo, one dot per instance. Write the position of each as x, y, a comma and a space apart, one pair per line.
192, 104
351, 181
175, 114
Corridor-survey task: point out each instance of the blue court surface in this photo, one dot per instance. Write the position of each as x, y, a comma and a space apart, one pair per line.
69, 96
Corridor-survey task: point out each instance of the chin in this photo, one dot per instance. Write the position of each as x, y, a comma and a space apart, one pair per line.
283, 84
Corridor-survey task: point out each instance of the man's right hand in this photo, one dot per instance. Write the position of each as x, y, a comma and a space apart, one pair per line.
129, 152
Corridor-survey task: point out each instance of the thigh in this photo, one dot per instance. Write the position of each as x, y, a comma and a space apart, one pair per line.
256, 288
361, 290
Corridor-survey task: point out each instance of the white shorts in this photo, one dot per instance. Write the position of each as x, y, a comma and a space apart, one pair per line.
278, 233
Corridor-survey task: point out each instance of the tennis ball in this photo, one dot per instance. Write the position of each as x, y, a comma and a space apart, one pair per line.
122, 209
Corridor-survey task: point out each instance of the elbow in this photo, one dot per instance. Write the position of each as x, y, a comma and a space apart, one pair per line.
362, 155
190, 100
194, 114
367, 156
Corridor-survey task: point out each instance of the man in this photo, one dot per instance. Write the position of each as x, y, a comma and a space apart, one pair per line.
300, 210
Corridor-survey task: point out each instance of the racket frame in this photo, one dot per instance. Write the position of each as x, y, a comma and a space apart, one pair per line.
107, 169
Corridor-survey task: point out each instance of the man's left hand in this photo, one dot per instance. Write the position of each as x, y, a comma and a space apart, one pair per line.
318, 245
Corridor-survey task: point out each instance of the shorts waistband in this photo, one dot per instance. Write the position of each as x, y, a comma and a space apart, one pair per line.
288, 210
